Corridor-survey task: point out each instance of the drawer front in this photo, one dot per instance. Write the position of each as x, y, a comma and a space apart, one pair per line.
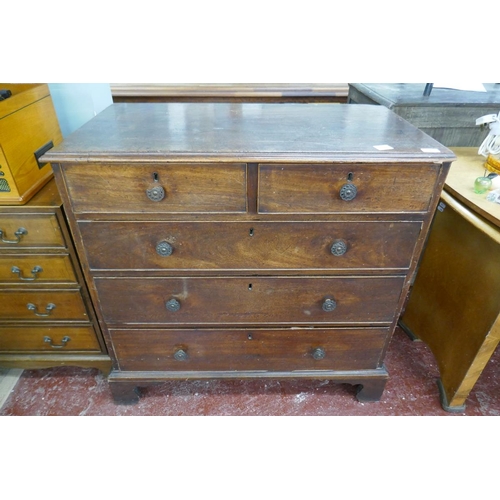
24, 231
35, 269
48, 338
249, 301
199, 188
317, 188
42, 305
260, 245
230, 350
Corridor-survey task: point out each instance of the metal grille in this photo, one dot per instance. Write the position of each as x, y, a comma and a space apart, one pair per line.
4, 186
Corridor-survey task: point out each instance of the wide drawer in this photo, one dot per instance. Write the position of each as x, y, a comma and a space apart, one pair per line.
30, 231
192, 188
250, 300
45, 305
268, 350
16, 268
257, 245
48, 338
318, 188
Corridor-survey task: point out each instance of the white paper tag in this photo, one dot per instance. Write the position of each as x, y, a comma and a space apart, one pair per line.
429, 150
383, 147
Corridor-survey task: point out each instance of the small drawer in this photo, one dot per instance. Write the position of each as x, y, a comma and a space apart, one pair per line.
346, 188
263, 350
34, 269
136, 246
42, 305
48, 338
26, 231
249, 301
190, 188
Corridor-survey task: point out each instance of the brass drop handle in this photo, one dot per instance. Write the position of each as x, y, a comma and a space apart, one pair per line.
19, 234
173, 305
164, 248
338, 248
64, 341
329, 305
34, 272
319, 353
181, 355
155, 192
49, 308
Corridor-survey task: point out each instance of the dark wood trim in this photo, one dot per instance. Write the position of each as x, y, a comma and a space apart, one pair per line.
230, 92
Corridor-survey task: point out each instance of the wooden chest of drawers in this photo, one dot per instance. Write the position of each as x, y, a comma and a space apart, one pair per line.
46, 316
249, 240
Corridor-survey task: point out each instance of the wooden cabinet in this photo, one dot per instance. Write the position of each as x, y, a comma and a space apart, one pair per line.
248, 240
46, 316
28, 128
454, 305
448, 115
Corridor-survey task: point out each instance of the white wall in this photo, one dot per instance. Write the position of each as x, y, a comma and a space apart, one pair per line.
77, 103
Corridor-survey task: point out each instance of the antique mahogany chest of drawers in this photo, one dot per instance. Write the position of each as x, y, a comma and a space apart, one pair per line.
46, 316
248, 240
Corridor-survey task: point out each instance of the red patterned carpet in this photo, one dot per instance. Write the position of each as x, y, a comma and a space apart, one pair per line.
411, 390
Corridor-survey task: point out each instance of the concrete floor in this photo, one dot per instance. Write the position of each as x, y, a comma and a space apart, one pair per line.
411, 390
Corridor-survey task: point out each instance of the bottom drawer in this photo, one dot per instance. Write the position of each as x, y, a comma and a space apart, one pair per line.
235, 350
48, 338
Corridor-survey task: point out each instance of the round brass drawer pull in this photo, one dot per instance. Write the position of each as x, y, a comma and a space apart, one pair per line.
329, 305
181, 355
19, 233
348, 192
155, 192
319, 353
164, 249
49, 308
64, 341
173, 305
338, 248
34, 272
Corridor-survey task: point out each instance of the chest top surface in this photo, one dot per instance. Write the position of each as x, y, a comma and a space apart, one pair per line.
248, 132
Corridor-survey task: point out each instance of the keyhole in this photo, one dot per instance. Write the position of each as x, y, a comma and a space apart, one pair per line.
250, 336
251, 231
350, 175
155, 176
250, 286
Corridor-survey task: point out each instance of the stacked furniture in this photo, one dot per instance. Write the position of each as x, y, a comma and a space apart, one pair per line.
447, 115
46, 316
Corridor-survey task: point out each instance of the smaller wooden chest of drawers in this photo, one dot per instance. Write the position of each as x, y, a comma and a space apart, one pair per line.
46, 316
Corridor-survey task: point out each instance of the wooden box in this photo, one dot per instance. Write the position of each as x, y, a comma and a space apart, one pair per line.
447, 115
28, 128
